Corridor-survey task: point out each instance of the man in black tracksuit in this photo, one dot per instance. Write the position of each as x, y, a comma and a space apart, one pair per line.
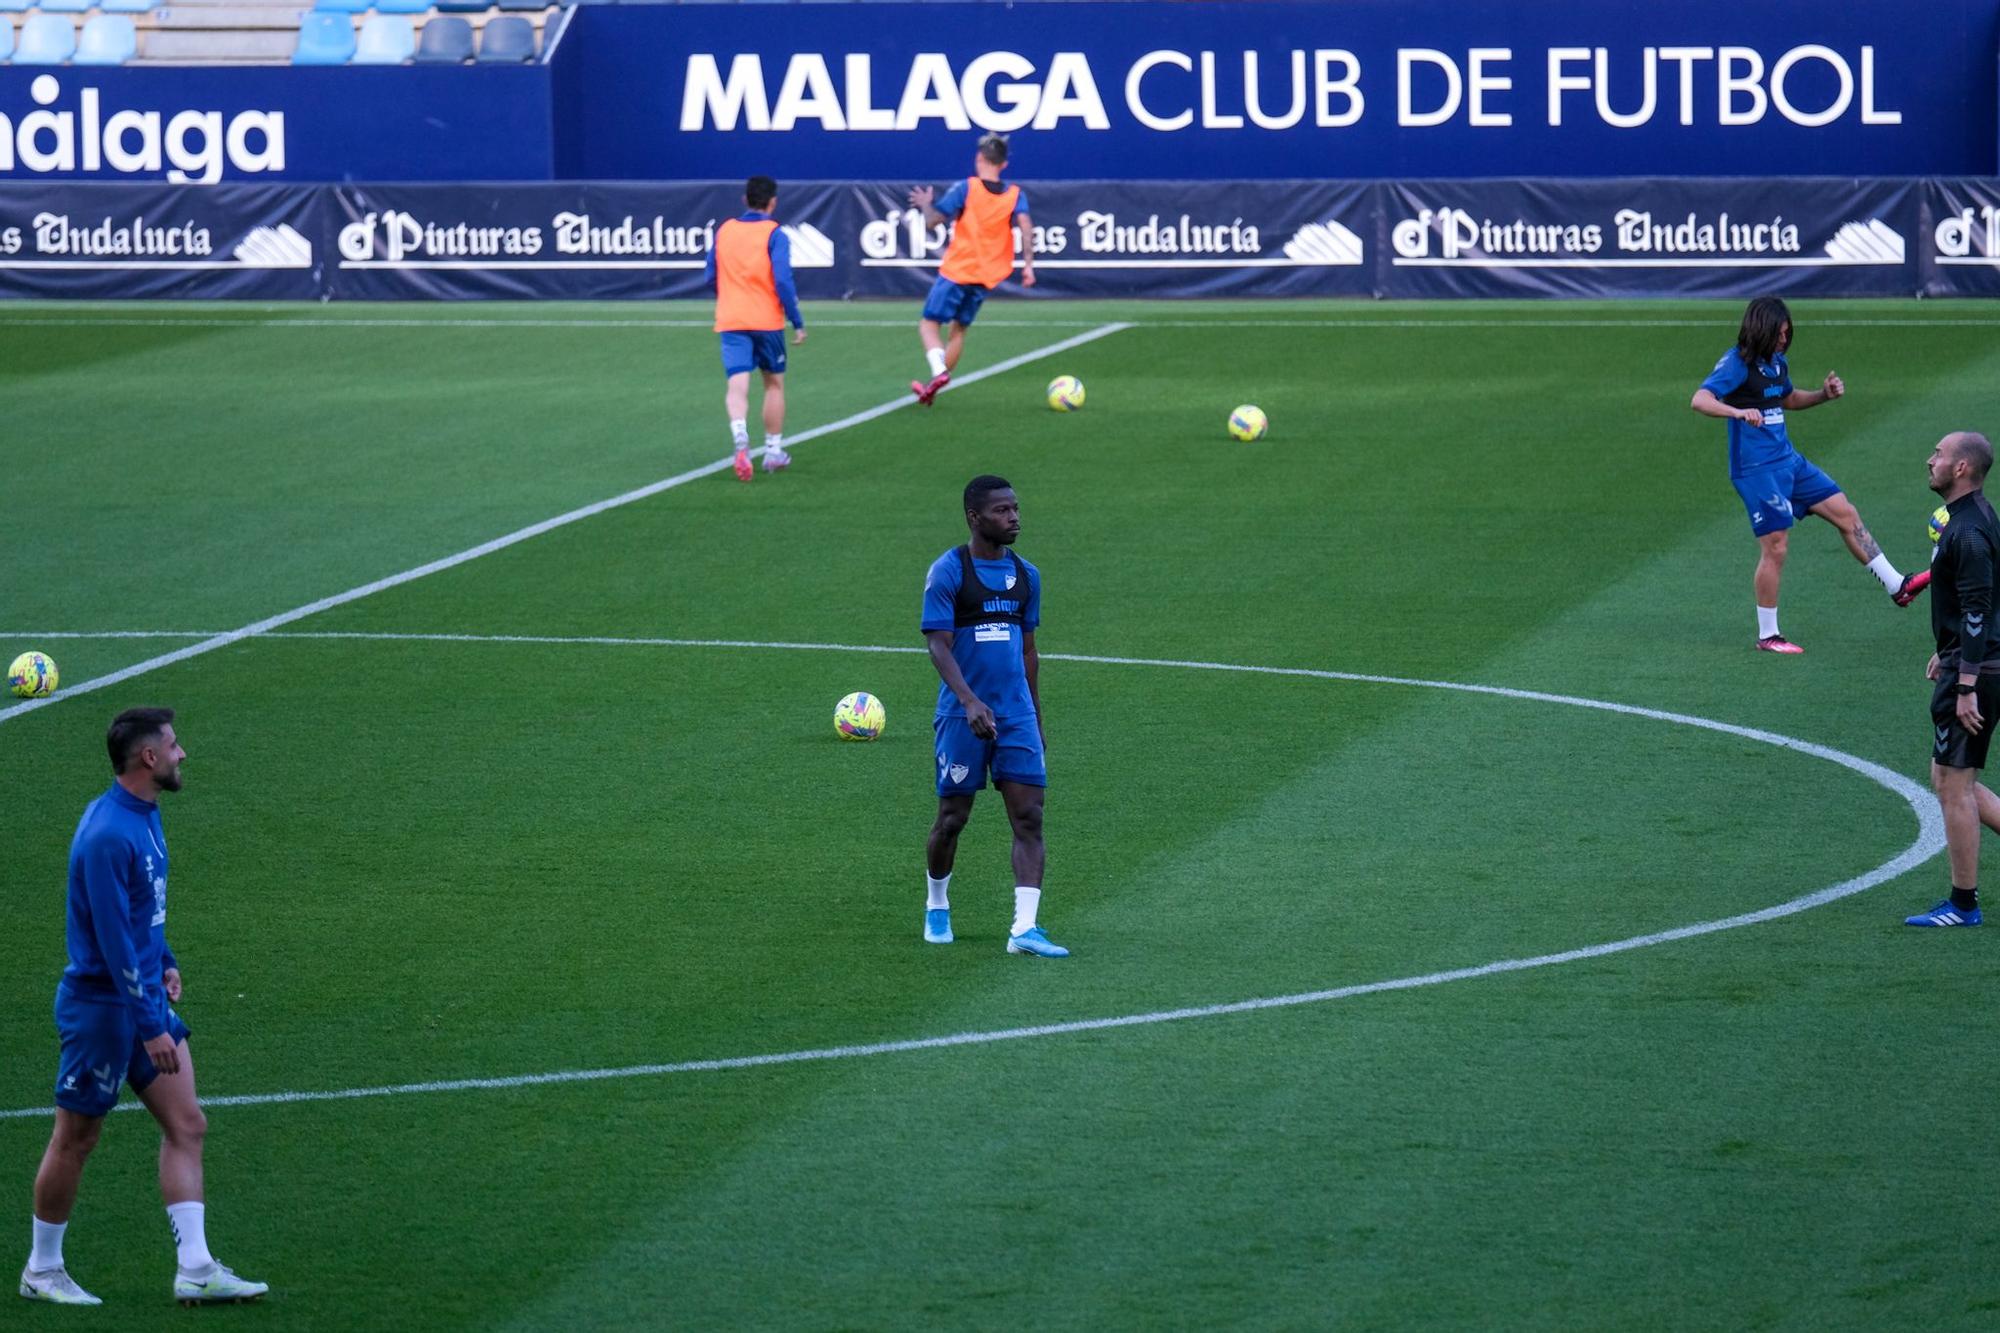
1966, 667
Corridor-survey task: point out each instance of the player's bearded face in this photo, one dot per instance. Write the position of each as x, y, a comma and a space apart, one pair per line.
1942, 464
167, 763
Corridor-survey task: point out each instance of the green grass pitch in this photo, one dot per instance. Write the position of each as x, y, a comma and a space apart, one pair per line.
403, 860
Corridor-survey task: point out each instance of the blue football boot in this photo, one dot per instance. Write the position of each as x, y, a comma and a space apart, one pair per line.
937, 925
1944, 914
1033, 941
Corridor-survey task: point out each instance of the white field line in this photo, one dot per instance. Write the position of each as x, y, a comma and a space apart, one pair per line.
1928, 842
269, 623
1398, 322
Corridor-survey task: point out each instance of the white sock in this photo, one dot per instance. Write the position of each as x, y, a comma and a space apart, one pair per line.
939, 895
191, 1236
1026, 902
936, 357
739, 431
47, 1253
774, 440
1767, 622
1883, 570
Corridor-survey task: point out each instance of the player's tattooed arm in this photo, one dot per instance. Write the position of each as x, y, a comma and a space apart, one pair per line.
1865, 540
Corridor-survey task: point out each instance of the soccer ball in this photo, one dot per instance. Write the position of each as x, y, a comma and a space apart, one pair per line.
859, 717
33, 676
1939, 517
1065, 393
1248, 423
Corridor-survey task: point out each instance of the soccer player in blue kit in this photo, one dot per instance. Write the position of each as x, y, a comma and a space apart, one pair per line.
1751, 389
113, 1017
982, 603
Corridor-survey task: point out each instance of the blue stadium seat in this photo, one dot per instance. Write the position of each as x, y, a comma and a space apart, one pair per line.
535, 6
127, 6
46, 39
6, 37
507, 41
64, 6
325, 39
402, 6
341, 6
108, 39
445, 41
462, 6
386, 39
15, 6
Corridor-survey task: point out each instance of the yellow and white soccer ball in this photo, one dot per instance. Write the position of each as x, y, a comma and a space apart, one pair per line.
1939, 517
32, 676
859, 717
1248, 423
1065, 393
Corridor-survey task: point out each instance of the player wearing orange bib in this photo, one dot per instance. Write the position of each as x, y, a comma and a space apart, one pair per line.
979, 258
750, 270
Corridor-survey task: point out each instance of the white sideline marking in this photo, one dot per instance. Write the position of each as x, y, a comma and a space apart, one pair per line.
1929, 841
269, 623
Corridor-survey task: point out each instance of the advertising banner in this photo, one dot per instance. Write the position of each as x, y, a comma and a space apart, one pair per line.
1617, 239
1281, 89
192, 124
566, 241
1127, 90
1961, 238
258, 242
1648, 238
1104, 238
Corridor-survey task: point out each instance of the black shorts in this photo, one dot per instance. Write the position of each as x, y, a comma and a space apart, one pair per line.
1952, 746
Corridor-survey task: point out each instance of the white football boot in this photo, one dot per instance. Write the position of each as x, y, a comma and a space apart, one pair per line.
55, 1286
218, 1286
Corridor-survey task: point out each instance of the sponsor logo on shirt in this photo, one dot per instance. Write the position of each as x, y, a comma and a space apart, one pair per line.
159, 894
996, 633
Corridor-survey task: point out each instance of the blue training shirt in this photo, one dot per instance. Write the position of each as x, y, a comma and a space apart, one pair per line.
118, 908
1762, 386
989, 655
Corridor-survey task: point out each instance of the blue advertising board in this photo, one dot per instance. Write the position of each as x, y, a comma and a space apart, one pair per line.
1961, 222
1622, 238
1125, 90
1283, 89
1647, 237
274, 123
119, 242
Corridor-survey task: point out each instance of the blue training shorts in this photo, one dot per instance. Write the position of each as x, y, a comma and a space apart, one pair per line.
1013, 755
954, 302
1775, 497
101, 1048
745, 352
